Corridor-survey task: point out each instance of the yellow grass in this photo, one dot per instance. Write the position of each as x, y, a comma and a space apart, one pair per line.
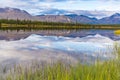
117, 32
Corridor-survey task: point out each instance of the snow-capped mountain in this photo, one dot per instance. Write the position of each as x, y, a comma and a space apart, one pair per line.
54, 12
96, 14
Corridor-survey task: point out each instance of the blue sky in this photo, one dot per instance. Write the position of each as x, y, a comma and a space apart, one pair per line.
34, 6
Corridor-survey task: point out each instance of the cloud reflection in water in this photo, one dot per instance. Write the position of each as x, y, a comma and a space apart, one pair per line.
35, 46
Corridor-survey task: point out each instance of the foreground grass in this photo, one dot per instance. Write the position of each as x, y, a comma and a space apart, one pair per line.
108, 70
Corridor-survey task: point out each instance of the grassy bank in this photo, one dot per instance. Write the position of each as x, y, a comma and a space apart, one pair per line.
108, 70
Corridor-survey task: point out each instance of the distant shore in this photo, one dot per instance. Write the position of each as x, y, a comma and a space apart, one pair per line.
37, 25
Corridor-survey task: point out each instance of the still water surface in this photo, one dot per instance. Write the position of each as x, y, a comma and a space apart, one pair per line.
65, 45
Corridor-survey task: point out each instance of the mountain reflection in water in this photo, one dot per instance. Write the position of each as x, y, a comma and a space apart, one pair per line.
84, 45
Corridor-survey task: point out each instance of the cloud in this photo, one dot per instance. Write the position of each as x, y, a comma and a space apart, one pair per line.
56, 0
35, 6
31, 6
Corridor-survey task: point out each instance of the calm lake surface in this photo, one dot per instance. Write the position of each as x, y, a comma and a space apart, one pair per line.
54, 45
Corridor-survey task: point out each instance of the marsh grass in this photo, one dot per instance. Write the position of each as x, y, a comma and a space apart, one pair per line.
108, 70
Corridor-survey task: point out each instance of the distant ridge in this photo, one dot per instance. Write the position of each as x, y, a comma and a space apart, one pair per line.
113, 19
59, 16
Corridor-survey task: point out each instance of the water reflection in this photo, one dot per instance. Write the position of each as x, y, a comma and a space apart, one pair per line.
83, 45
17, 35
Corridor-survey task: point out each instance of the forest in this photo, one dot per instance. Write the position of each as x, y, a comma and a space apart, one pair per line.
17, 24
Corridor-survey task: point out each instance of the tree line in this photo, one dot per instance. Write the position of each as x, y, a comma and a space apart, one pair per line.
28, 24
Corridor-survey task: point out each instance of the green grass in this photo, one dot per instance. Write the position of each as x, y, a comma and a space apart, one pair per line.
108, 70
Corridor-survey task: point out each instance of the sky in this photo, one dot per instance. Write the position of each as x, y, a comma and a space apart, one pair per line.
35, 6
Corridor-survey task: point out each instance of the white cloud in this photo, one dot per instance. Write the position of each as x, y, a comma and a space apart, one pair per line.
31, 6
35, 6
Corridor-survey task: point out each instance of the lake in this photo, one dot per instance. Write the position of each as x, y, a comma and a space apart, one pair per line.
57, 45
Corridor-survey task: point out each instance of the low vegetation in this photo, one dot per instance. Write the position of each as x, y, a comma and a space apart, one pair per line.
108, 70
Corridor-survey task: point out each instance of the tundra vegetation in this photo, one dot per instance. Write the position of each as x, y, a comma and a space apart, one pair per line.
6, 24
107, 70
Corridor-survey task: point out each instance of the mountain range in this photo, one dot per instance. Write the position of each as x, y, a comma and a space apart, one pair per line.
56, 15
